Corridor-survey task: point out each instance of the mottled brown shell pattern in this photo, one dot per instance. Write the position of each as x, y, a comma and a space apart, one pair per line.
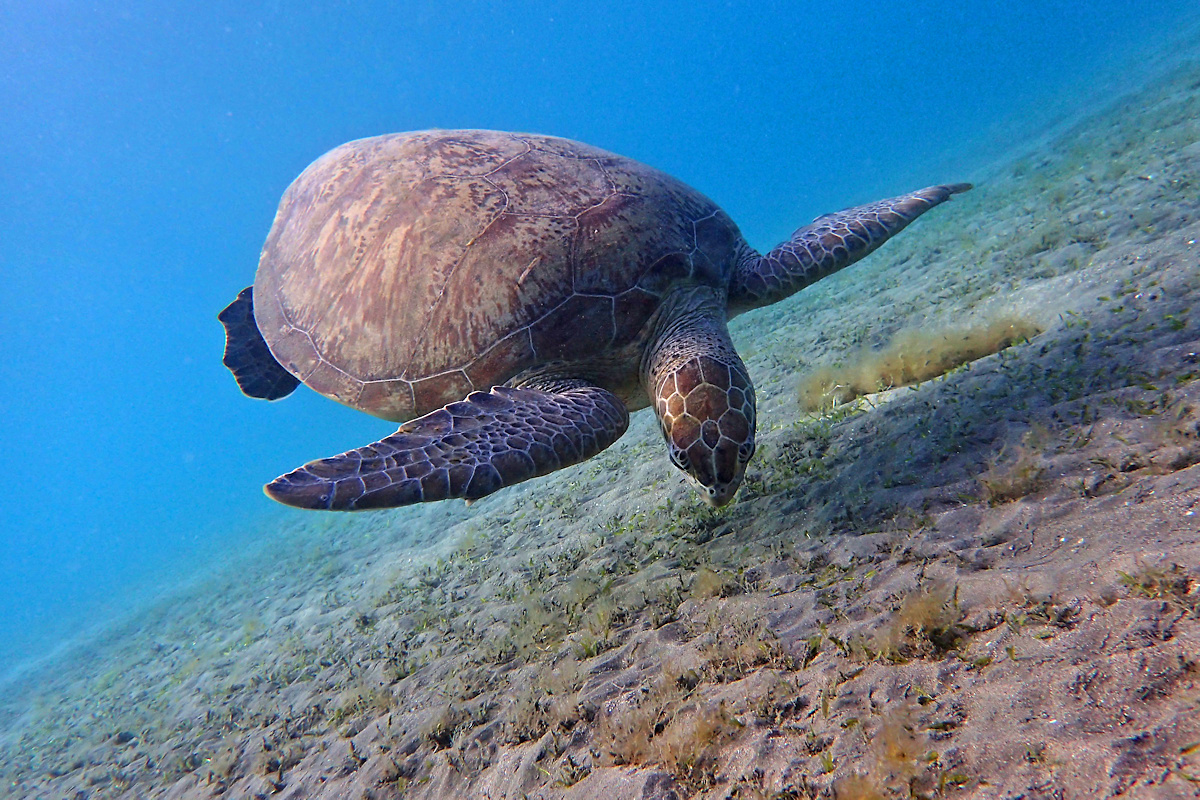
404, 271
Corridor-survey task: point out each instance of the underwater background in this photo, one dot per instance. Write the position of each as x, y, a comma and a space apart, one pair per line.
146, 145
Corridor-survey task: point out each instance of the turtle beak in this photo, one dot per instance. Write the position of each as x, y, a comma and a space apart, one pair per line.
717, 471
724, 474
717, 496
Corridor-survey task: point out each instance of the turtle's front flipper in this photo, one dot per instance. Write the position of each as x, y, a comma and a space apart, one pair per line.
830, 243
467, 449
246, 354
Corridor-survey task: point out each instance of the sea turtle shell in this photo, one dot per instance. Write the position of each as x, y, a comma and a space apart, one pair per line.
404, 271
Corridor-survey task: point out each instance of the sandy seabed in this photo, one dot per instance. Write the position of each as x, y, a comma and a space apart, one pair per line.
985, 584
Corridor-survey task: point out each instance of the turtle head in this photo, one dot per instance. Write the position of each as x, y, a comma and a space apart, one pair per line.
706, 410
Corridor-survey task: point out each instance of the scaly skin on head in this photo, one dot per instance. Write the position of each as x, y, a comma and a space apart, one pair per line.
702, 394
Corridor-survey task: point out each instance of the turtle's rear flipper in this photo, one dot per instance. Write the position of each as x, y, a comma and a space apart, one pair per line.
467, 449
246, 354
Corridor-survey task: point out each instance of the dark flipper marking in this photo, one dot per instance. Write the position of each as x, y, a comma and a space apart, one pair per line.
467, 449
832, 242
257, 372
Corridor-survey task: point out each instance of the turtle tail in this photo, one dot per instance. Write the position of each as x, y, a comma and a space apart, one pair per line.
830, 243
257, 372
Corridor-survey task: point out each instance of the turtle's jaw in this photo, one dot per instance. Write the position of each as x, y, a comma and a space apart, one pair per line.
720, 494
716, 472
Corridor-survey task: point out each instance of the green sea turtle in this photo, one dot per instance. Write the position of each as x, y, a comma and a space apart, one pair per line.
511, 298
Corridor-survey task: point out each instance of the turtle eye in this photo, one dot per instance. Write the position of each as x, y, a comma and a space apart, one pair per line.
745, 451
680, 459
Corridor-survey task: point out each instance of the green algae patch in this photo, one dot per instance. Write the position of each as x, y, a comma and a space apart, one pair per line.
913, 355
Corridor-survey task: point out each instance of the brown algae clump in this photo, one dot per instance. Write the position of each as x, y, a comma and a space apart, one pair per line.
913, 355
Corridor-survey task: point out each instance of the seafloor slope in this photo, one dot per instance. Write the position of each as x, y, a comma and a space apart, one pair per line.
982, 585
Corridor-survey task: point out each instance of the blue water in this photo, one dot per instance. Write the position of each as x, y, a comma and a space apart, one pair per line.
145, 146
